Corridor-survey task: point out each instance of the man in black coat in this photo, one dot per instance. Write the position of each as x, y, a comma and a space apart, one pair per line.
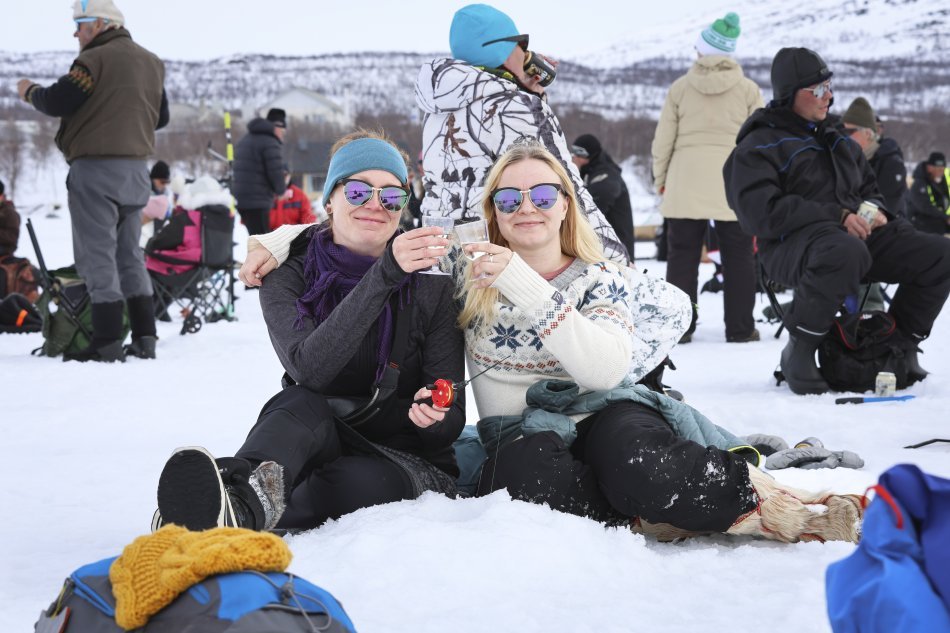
884, 154
796, 182
259, 170
928, 204
602, 177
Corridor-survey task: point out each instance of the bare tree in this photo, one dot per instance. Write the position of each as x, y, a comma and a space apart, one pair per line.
13, 149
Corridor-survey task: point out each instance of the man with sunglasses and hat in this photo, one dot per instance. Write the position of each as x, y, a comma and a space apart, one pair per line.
109, 104
491, 92
798, 183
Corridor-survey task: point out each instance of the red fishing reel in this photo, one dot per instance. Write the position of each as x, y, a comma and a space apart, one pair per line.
443, 393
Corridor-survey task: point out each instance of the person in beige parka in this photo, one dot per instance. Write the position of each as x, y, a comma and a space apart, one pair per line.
697, 130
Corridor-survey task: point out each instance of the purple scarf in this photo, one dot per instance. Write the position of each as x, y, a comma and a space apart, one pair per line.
330, 272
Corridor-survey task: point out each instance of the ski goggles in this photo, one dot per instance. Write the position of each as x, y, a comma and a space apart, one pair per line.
393, 199
543, 197
820, 90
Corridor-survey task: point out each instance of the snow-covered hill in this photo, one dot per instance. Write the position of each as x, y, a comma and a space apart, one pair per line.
892, 51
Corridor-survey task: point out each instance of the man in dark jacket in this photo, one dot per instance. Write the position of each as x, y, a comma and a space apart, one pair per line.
259, 170
602, 177
9, 224
797, 184
109, 104
884, 154
928, 204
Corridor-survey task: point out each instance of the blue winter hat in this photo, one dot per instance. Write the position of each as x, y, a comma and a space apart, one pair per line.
361, 155
483, 36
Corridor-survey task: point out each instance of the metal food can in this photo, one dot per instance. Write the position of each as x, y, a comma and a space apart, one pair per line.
868, 211
885, 384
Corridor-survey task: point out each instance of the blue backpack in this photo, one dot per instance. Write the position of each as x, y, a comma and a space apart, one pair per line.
242, 602
898, 578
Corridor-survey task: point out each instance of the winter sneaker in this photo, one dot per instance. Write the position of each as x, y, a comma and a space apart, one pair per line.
191, 493
783, 514
141, 347
257, 497
100, 352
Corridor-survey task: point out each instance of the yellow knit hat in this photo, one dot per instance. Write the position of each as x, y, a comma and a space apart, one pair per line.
153, 570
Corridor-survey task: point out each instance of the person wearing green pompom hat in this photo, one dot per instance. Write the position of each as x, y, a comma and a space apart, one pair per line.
696, 131
720, 37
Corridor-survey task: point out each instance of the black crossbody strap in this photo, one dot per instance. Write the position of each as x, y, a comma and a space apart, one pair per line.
389, 381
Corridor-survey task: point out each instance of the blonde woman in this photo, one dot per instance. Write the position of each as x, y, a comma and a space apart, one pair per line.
546, 318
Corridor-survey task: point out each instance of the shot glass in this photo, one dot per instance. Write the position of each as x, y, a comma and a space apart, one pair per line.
446, 225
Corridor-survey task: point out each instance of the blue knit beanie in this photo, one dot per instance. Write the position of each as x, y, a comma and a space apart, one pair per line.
476, 24
363, 154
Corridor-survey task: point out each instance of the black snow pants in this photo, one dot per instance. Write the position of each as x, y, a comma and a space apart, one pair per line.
626, 462
328, 475
824, 265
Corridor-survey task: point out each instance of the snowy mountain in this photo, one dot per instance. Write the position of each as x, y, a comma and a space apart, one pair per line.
891, 51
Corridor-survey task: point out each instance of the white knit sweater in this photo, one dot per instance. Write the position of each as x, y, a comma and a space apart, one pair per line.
577, 326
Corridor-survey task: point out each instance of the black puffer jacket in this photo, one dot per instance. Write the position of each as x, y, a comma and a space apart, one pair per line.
606, 186
891, 173
9, 227
258, 167
927, 202
787, 173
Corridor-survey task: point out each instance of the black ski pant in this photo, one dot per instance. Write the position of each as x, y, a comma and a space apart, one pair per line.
685, 245
257, 221
824, 264
327, 476
626, 462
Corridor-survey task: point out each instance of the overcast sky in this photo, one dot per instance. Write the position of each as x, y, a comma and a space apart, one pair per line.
205, 29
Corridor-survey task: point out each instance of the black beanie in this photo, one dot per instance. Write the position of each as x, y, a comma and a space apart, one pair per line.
794, 69
160, 171
2, 188
935, 159
277, 116
590, 144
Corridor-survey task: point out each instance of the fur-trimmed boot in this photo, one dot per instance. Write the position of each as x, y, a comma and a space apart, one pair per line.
783, 513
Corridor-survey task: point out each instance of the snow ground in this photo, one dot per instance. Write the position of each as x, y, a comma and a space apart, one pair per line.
85, 445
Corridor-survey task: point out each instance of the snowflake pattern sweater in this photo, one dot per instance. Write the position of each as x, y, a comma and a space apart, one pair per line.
576, 326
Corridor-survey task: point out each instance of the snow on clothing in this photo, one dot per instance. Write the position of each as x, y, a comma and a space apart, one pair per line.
790, 181
891, 173
928, 203
704, 110
627, 460
9, 227
339, 357
293, 210
661, 312
471, 117
603, 179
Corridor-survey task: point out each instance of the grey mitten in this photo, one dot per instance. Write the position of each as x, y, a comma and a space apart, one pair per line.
809, 454
766, 444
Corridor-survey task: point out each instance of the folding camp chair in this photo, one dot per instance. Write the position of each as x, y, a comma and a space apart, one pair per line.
205, 292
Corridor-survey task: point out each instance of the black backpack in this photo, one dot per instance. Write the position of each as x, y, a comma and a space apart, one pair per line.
859, 346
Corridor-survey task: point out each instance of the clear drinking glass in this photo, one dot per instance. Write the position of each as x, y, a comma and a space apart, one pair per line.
446, 225
470, 233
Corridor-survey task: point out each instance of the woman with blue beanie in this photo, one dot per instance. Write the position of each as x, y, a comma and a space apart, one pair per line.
359, 335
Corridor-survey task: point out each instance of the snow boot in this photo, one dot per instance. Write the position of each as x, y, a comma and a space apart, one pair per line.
106, 343
141, 347
199, 493
799, 367
915, 373
783, 514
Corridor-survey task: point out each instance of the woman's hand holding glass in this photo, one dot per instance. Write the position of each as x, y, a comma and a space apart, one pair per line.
423, 414
411, 249
489, 265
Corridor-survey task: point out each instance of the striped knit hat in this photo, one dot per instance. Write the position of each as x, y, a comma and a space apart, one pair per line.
720, 37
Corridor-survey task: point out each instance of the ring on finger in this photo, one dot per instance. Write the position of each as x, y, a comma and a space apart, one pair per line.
491, 258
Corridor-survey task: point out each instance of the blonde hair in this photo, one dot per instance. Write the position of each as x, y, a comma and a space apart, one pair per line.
577, 237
